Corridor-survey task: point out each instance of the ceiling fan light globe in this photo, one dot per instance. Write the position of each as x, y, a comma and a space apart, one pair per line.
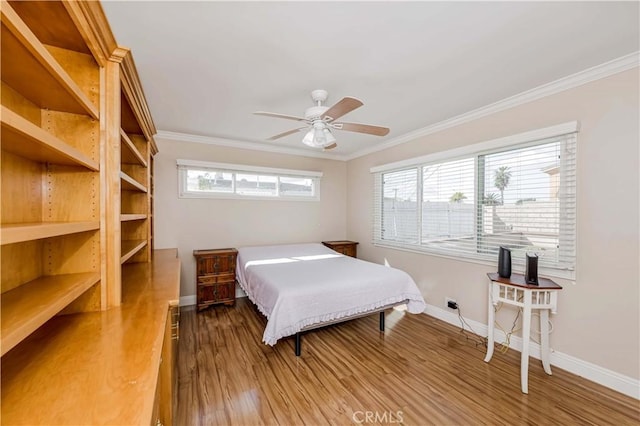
308, 139
330, 139
319, 138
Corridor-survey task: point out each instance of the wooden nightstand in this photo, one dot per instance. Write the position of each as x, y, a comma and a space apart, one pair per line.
348, 248
215, 276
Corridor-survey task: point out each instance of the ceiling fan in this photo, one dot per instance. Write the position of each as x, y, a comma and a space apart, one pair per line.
321, 119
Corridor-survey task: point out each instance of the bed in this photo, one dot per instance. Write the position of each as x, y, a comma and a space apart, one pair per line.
300, 287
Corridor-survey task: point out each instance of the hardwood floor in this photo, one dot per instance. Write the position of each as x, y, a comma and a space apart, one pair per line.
422, 371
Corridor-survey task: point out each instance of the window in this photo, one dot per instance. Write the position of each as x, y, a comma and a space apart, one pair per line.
400, 207
517, 192
199, 179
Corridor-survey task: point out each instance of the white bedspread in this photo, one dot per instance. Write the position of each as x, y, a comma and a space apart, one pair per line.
299, 285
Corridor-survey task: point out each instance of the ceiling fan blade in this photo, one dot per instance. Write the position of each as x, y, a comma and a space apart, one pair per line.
282, 135
276, 115
345, 106
328, 147
362, 128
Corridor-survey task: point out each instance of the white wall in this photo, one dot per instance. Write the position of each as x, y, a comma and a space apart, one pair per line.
191, 224
598, 316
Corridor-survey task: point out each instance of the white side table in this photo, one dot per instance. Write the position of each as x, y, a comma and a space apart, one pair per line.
514, 291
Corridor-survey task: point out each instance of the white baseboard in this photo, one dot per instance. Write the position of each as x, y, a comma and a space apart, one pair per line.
188, 300
603, 376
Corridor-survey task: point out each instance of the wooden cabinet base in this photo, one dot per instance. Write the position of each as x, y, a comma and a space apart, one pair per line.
206, 305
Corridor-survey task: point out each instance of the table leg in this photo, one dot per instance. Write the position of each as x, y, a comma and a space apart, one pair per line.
526, 331
490, 323
544, 340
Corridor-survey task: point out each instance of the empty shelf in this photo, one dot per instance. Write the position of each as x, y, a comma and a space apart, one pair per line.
19, 232
131, 247
27, 140
27, 307
29, 68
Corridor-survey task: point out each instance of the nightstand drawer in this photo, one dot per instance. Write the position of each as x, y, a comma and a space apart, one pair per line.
218, 293
217, 279
216, 264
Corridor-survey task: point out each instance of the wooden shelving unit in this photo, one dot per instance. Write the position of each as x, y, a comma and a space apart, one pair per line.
154, 150
136, 155
75, 225
51, 217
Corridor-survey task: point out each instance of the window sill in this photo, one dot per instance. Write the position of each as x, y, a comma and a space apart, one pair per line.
517, 266
229, 196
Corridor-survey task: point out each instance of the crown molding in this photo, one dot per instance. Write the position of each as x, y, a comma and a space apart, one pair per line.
597, 72
133, 92
234, 143
89, 18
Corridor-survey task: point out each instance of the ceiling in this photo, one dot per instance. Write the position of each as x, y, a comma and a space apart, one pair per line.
206, 66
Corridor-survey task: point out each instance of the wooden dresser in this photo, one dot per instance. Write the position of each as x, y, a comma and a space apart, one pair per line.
215, 276
348, 248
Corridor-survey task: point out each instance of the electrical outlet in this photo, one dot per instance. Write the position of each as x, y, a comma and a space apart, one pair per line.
450, 303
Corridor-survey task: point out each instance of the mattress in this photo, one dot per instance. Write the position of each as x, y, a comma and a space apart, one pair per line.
301, 285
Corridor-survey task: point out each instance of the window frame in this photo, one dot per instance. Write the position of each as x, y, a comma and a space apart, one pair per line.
184, 166
475, 151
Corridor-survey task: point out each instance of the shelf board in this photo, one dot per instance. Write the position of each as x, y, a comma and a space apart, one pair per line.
29, 68
130, 154
19, 232
125, 217
130, 184
131, 247
27, 140
29, 306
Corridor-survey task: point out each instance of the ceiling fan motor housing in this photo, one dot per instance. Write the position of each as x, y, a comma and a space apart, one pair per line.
319, 95
315, 112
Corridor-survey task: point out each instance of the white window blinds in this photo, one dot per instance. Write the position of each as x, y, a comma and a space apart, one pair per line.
520, 196
398, 206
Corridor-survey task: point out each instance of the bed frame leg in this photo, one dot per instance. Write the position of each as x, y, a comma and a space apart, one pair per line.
298, 345
381, 320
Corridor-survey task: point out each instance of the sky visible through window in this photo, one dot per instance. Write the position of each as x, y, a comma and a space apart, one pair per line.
529, 177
